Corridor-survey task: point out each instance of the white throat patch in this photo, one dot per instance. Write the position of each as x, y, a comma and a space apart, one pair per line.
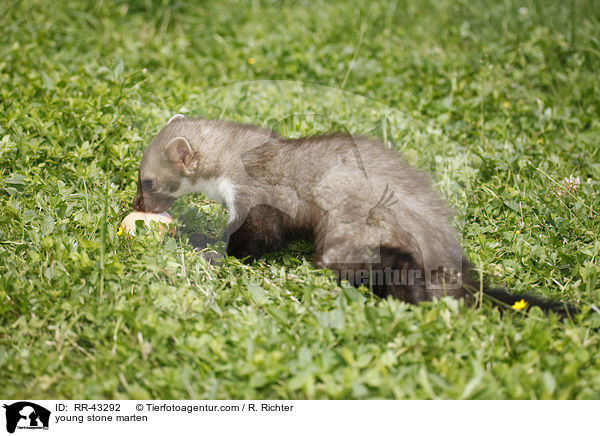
218, 189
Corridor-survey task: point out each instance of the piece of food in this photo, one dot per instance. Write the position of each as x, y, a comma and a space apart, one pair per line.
128, 223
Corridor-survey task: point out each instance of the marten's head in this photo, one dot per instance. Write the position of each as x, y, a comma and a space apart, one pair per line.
167, 162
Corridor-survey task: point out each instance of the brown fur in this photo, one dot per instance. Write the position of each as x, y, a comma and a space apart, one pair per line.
361, 205
374, 220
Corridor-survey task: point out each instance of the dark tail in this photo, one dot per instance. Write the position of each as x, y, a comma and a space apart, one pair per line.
505, 300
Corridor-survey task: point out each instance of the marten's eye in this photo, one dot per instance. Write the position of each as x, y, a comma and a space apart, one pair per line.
147, 185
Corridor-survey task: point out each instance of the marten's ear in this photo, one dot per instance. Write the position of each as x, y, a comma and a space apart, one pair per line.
179, 152
176, 117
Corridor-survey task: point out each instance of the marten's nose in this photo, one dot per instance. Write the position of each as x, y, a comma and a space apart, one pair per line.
138, 202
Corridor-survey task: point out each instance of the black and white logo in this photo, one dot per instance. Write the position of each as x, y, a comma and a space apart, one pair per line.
26, 415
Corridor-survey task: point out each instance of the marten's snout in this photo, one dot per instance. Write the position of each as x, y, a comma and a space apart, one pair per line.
138, 202
155, 203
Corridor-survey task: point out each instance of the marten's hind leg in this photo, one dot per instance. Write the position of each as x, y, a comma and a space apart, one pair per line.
355, 254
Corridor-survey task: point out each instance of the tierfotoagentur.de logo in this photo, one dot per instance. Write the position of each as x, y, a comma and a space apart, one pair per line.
24, 415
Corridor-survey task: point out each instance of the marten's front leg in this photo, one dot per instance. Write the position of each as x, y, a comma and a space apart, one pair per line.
263, 231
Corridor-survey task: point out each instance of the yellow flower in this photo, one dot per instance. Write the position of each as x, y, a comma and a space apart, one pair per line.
506, 104
120, 231
520, 305
251, 61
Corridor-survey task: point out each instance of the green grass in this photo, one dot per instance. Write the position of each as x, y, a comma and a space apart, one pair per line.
499, 101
